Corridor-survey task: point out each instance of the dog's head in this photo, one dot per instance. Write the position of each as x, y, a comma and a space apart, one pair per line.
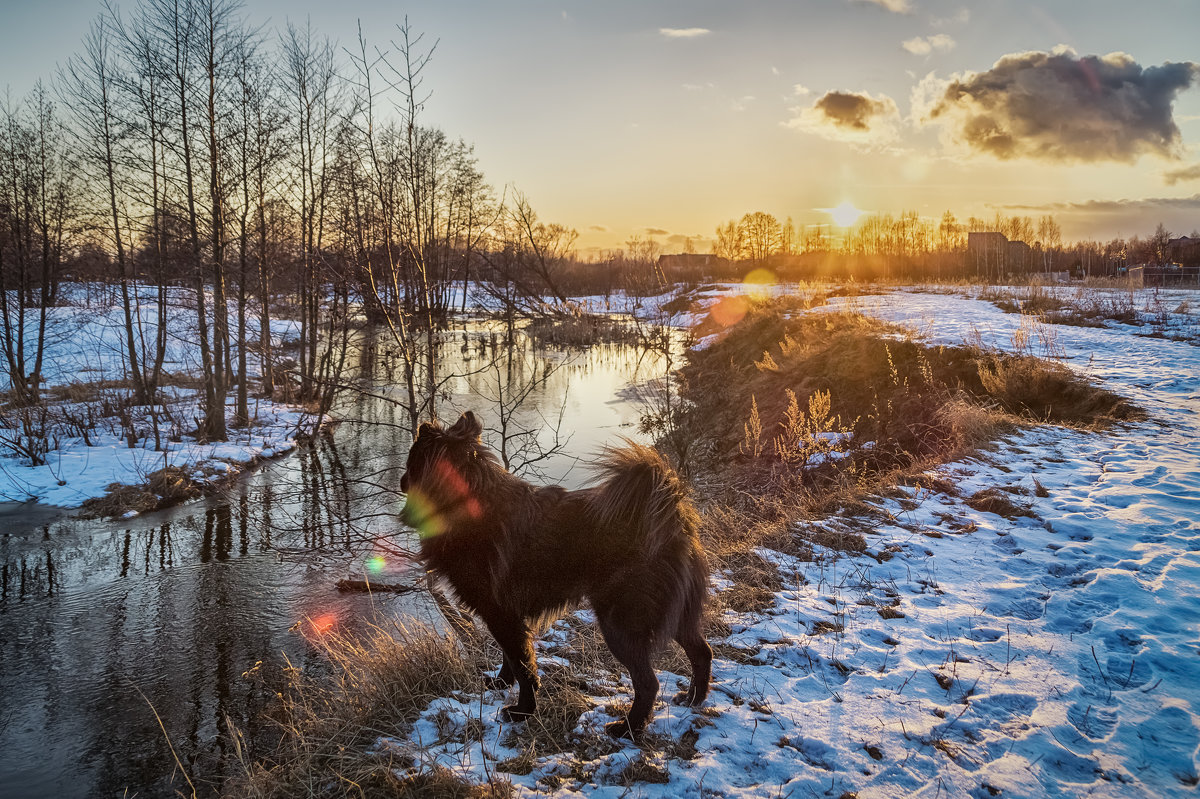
442, 476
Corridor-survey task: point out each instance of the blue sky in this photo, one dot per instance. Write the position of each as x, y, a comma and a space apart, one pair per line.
621, 117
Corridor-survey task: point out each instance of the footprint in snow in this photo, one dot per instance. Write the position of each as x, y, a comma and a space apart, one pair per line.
1094, 722
984, 635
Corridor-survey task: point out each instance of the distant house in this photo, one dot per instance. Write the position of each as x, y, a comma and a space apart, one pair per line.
1020, 256
992, 252
1184, 250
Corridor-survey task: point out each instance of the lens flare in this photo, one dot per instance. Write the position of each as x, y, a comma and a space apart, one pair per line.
432, 516
758, 282
324, 623
729, 310
376, 564
421, 513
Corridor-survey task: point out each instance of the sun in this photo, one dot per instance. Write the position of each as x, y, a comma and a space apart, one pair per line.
844, 215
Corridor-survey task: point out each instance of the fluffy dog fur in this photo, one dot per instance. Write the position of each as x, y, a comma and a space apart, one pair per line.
517, 554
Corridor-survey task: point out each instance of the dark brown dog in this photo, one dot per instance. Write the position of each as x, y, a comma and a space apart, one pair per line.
517, 554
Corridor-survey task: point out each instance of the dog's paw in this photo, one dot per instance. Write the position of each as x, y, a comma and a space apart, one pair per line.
491, 683
514, 713
621, 729
688, 698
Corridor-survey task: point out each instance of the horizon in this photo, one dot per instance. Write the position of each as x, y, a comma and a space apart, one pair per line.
667, 120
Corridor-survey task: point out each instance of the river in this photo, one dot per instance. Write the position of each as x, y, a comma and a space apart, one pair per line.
125, 645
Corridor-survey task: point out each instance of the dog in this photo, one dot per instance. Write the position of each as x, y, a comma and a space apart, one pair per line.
518, 555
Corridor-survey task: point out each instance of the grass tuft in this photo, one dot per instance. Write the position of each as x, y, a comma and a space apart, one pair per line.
997, 501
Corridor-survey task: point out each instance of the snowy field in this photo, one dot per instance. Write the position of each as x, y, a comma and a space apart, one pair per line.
1056, 654
85, 346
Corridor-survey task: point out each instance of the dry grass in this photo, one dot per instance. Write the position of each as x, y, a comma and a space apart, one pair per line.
581, 330
999, 502
788, 379
1038, 389
377, 684
1083, 306
163, 488
850, 372
561, 701
434, 783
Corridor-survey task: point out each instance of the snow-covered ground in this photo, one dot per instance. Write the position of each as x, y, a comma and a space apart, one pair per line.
85, 348
1056, 654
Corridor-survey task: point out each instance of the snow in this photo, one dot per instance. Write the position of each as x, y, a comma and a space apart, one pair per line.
86, 345
1048, 655
75, 472
86, 334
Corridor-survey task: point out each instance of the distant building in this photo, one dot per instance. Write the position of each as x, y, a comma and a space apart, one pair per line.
990, 252
1184, 250
1019, 256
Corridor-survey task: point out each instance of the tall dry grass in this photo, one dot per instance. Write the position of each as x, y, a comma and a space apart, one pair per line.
900, 407
375, 683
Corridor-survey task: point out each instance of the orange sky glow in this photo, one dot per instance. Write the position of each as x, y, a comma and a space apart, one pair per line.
665, 119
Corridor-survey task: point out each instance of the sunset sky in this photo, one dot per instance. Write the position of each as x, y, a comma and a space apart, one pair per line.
665, 119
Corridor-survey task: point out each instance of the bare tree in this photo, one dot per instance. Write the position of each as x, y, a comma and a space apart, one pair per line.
37, 205
90, 83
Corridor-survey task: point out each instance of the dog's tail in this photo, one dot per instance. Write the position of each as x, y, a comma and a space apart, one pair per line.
643, 495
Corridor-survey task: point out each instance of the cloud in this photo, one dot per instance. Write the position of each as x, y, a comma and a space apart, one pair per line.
656, 231
961, 17
800, 90
683, 33
1118, 206
1174, 176
1060, 107
698, 241
853, 117
742, 103
598, 228
925, 46
897, 6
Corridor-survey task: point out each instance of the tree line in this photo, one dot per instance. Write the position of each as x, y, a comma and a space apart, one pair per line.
910, 245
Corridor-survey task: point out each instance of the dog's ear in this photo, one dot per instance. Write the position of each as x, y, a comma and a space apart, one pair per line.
426, 429
467, 427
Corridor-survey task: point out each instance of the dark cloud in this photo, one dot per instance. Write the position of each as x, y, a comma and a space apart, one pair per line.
700, 242
1118, 206
1060, 107
598, 228
1174, 176
856, 117
656, 231
851, 111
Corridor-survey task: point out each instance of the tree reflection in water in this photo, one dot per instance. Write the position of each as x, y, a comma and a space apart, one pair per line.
193, 608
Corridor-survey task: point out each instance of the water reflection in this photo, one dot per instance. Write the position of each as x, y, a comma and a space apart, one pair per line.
102, 621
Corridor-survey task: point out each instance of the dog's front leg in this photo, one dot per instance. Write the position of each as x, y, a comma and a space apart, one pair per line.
516, 642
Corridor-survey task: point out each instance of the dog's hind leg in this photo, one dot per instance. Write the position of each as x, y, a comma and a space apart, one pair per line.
699, 653
515, 640
633, 651
690, 636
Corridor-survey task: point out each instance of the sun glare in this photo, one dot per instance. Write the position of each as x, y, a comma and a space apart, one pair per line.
844, 215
